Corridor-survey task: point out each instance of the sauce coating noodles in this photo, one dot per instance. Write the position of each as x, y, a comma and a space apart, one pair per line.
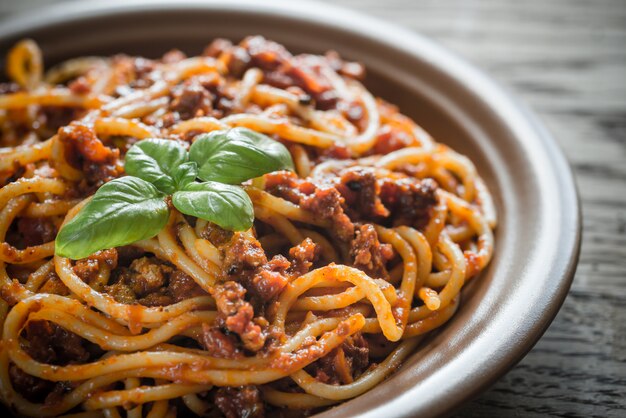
351, 260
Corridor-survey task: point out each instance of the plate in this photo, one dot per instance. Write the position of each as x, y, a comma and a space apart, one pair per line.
504, 311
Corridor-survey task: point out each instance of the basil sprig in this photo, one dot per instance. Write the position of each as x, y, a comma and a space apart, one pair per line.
237, 155
134, 207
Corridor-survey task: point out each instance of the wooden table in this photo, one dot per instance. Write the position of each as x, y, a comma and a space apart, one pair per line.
567, 60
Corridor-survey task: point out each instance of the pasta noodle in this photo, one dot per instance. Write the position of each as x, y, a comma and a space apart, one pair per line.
351, 260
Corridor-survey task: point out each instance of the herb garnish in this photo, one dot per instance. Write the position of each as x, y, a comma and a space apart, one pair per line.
134, 207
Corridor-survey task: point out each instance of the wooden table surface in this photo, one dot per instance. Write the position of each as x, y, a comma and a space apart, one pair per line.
567, 60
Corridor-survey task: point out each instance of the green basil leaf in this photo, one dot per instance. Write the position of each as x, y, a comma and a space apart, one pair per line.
185, 174
154, 160
122, 211
225, 205
236, 155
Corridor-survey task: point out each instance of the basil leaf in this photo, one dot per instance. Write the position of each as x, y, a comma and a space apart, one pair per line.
225, 205
185, 174
155, 160
122, 211
236, 155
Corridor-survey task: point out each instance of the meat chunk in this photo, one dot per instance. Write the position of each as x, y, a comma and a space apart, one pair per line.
54, 285
147, 275
49, 343
191, 99
181, 287
38, 390
361, 190
36, 231
343, 364
236, 314
84, 151
122, 293
217, 47
32, 388
354, 70
240, 402
152, 282
368, 253
303, 256
324, 201
389, 139
218, 344
281, 69
216, 235
327, 204
87, 268
55, 117
271, 278
287, 185
242, 253
409, 200
246, 263
356, 350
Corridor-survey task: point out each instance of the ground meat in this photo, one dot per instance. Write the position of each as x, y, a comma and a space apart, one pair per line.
147, 275
36, 231
390, 139
49, 343
237, 315
354, 70
54, 285
327, 204
218, 344
32, 388
335, 152
281, 69
38, 390
159, 298
151, 282
269, 280
357, 195
217, 47
173, 56
216, 235
286, 185
265, 54
191, 99
140, 70
235, 57
241, 402
84, 151
54, 117
361, 190
409, 200
303, 256
354, 111
343, 364
121, 292
81, 141
368, 254
242, 253
80, 86
127, 254
60, 390
357, 351
246, 262
181, 287
87, 268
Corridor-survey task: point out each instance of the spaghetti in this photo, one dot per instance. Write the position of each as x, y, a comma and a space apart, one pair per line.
352, 258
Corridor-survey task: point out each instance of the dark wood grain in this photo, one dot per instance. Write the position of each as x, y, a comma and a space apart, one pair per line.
567, 60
